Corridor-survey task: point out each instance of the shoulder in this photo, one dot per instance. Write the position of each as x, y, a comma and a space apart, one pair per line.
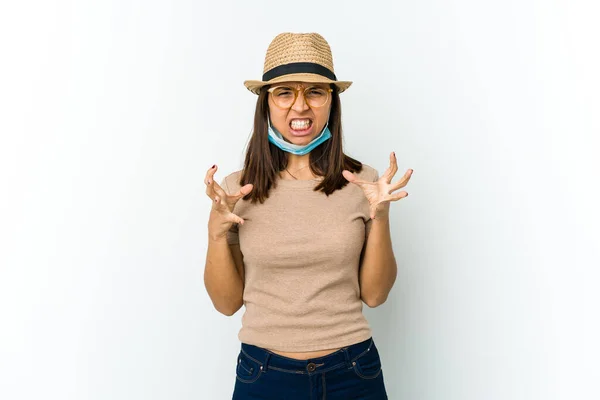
231, 182
368, 173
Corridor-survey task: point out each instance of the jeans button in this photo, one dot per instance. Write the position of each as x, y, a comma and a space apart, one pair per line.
311, 367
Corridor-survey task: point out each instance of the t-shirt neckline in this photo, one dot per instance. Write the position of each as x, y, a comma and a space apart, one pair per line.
298, 183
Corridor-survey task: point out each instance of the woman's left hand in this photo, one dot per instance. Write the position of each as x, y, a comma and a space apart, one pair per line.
379, 193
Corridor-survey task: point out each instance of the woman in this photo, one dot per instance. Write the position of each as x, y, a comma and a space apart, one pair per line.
303, 248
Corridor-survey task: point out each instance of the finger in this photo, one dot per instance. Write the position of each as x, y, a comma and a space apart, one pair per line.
237, 219
244, 190
209, 174
392, 169
210, 189
350, 177
373, 211
213, 189
402, 182
219, 196
397, 196
208, 180
218, 190
234, 198
220, 206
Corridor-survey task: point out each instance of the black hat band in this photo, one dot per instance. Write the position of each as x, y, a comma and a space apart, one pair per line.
299, 67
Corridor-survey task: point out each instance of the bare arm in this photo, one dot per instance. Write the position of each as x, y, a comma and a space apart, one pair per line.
224, 269
378, 268
224, 275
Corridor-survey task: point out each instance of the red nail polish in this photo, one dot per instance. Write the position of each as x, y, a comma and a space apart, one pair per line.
213, 166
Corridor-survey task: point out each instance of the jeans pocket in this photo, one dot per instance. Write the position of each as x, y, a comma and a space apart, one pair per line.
248, 370
368, 364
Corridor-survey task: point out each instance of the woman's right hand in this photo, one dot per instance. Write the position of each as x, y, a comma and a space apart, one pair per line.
221, 214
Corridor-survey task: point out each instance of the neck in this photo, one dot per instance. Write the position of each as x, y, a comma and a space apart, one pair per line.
298, 167
295, 161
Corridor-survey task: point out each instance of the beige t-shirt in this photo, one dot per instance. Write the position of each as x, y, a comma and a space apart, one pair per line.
301, 258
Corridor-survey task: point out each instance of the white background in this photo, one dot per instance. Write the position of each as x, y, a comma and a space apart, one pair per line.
111, 112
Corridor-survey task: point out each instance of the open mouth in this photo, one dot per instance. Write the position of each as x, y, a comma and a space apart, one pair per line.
300, 126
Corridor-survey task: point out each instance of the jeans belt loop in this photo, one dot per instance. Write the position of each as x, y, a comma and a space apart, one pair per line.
347, 357
267, 357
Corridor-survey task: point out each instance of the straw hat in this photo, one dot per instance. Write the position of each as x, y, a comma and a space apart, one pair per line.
304, 57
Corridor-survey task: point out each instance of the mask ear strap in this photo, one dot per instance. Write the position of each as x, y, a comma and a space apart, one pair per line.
327, 123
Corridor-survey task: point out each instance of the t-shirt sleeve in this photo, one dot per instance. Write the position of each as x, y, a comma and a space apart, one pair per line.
369, 222
232, 234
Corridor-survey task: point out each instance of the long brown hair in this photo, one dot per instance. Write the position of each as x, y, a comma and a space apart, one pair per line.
264, 160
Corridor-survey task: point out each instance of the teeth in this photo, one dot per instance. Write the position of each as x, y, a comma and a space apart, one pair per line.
300, 124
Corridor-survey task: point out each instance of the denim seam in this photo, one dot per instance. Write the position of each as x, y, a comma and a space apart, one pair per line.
250, 371
249, 380
302, 372
292, 371
331, 368
332, 344
296, 359
296, 371
252, 358
367, 377
364, 352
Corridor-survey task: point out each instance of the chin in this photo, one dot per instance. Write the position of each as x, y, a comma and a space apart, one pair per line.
299, 140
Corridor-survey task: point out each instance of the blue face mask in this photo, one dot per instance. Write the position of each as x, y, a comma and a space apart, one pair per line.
277, 139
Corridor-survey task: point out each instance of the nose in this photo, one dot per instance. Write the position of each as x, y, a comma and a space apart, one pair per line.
300, 103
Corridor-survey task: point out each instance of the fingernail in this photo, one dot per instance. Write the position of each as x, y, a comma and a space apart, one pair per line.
214, 165
394, 153
209, 182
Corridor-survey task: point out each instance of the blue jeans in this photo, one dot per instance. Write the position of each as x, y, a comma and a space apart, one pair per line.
353, 372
